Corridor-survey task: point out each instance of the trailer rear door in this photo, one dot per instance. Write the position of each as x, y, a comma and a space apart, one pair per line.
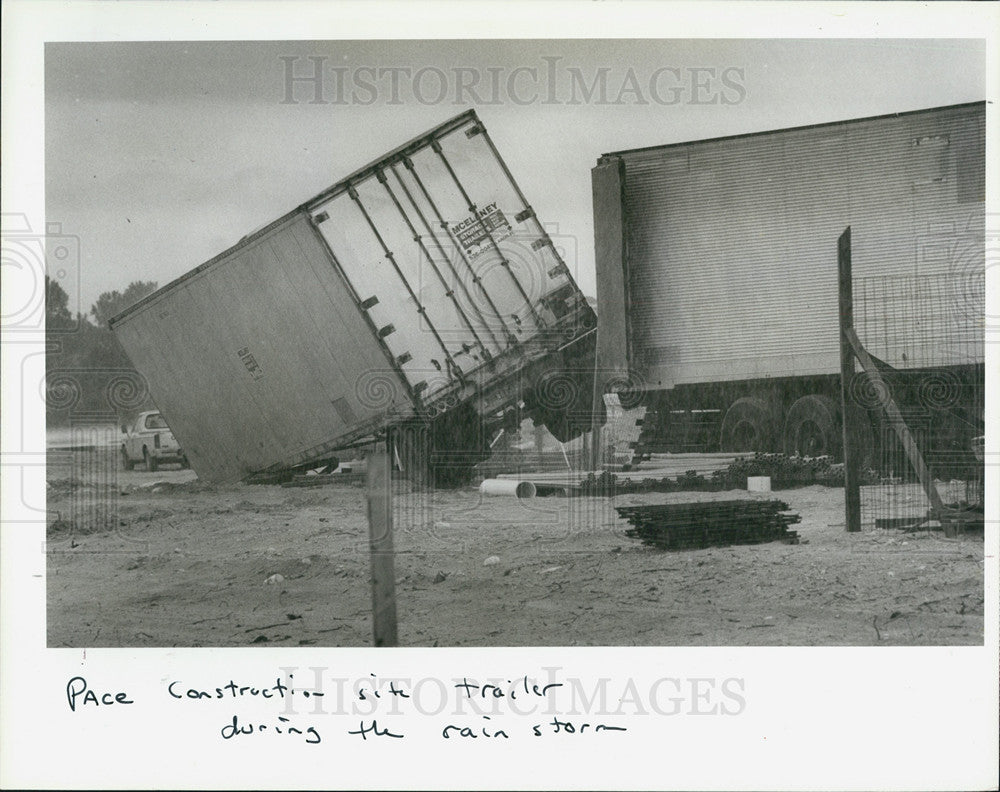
441, 246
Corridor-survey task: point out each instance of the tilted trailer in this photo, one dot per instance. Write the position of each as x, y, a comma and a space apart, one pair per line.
420, 298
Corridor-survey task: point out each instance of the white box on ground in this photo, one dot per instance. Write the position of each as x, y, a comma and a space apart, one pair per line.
758, 483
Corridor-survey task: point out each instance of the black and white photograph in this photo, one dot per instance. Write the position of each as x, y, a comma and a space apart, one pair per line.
468, 343
622, 426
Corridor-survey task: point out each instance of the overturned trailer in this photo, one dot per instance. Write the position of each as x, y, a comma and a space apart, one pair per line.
420, 297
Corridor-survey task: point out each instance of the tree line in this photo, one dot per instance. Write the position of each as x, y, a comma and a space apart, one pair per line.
88, 376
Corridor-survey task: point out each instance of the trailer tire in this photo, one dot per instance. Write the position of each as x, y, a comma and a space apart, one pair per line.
749, 425
813, 429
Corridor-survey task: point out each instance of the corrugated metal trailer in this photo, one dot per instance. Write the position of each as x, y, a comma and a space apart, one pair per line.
421, 291
717, 265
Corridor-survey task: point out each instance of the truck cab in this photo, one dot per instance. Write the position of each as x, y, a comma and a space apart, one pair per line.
148, 441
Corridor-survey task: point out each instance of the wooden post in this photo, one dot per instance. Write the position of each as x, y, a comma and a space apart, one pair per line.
380, 546
852, 472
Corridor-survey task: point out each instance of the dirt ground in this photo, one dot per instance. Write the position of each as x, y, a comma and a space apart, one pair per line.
160, 559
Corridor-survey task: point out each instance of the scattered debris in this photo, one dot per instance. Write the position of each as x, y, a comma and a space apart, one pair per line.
785, 472
274, 579
492, 561
439, 577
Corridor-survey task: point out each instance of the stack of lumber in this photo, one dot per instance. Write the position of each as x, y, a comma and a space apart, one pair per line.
687, 526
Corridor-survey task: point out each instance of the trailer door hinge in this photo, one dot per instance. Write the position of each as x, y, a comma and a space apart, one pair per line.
369, 303
387, 330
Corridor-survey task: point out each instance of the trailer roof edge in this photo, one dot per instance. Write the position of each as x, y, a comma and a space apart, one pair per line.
743, 135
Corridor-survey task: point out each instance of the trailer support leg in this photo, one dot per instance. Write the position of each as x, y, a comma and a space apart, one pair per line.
381, 549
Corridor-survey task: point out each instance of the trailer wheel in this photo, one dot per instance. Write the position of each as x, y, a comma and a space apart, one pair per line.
812, 428
749, 425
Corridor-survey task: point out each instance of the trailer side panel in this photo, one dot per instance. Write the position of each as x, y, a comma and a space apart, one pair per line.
262, 356
731, 268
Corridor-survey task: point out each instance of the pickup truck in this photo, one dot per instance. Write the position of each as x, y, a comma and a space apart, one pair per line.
149, 441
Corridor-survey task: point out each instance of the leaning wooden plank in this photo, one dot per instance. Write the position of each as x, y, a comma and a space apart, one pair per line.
897, 423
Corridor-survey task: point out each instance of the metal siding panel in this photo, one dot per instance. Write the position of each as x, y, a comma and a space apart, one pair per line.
282, 298
239, 409
193, 382
732, 243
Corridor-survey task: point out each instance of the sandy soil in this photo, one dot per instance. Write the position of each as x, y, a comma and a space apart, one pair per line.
159, 559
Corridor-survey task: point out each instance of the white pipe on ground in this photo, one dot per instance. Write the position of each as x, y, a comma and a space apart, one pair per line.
519, 489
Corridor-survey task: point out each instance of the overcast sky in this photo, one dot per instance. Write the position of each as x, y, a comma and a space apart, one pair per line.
161, 155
